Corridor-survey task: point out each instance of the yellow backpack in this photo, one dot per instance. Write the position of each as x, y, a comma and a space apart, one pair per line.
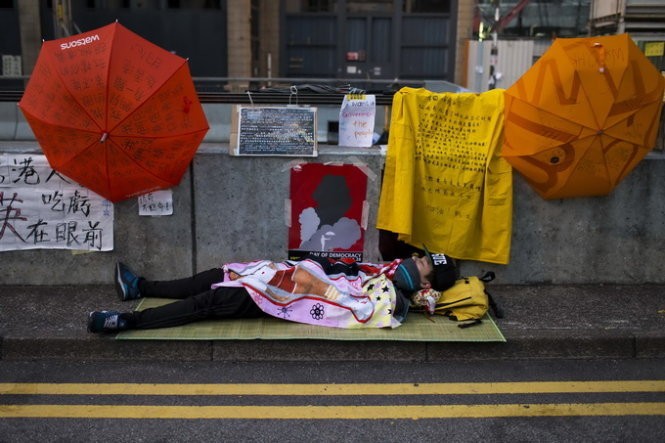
466, 301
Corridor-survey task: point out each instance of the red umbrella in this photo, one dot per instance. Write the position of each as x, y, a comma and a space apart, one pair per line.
114, 112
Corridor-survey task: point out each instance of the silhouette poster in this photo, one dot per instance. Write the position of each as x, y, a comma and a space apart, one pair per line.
327, 204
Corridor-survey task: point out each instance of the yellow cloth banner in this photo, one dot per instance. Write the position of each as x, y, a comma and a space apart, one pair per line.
444, 183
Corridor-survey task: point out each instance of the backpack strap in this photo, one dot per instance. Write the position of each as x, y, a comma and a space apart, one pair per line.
498, 312
486, 278
468, 324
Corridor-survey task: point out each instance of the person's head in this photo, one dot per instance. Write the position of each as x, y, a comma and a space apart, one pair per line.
444, 271
413, 274
435, 271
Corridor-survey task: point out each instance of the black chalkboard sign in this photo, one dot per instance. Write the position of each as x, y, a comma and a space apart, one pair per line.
274, 130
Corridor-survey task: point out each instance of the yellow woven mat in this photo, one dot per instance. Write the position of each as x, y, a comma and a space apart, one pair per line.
416, 328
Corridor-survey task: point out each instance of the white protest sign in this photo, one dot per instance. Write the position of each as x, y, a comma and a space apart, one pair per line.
156, 203
43, 209
356, 120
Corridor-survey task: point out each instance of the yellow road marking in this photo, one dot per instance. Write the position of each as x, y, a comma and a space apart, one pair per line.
414, 412
342, 389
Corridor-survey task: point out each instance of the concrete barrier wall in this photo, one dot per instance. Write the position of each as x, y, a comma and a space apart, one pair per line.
232, 208
618, 238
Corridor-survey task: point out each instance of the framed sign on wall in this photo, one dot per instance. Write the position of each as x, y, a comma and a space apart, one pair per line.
274, 130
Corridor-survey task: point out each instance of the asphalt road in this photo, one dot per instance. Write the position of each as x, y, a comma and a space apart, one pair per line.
546, 400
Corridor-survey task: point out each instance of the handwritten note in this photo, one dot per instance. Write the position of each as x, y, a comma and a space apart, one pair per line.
42, 209
654, 49
156, 203
356, 121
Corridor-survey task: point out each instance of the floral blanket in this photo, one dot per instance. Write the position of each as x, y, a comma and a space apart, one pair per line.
334, 294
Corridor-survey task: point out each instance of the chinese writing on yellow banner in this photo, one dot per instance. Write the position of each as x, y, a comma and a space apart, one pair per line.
444, 183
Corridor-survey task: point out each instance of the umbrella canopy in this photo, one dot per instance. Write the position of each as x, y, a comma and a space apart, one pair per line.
583, 116
114, 112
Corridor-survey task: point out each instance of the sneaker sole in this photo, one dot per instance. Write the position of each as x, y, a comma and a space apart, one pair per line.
118, 283
90, 322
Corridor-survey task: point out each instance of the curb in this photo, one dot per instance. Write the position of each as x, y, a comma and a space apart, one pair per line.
537, 345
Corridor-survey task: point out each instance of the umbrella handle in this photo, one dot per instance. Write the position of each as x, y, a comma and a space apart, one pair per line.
601, 55
105, 135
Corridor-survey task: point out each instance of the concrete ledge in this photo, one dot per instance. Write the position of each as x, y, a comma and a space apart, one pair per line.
14, 126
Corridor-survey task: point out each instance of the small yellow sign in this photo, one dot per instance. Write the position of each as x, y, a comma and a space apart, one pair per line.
654, 49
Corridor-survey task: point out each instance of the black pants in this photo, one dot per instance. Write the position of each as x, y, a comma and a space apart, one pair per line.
196, 301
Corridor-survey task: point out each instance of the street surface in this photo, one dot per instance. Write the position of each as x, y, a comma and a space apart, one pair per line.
544, 401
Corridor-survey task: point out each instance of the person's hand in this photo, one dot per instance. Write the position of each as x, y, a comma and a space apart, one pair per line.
426, 298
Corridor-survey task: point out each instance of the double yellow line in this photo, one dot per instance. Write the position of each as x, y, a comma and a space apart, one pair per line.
349, 412
413, 412
340, 389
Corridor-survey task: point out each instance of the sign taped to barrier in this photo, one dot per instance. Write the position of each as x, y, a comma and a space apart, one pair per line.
274, 131
43, 209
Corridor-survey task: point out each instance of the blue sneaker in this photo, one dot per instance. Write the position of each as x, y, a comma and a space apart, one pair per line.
106, 321
126, 283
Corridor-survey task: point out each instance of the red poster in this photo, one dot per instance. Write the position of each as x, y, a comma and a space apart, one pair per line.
327, 211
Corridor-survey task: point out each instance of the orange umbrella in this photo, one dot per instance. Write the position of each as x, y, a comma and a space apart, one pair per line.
583, 116
114, 112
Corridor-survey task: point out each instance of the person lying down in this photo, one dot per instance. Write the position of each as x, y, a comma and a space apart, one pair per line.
318, 291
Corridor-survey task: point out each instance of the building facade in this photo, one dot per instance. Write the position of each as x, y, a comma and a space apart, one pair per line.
381, 39
368, 40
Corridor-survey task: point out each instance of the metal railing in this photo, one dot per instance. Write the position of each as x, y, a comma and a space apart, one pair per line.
265, 90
